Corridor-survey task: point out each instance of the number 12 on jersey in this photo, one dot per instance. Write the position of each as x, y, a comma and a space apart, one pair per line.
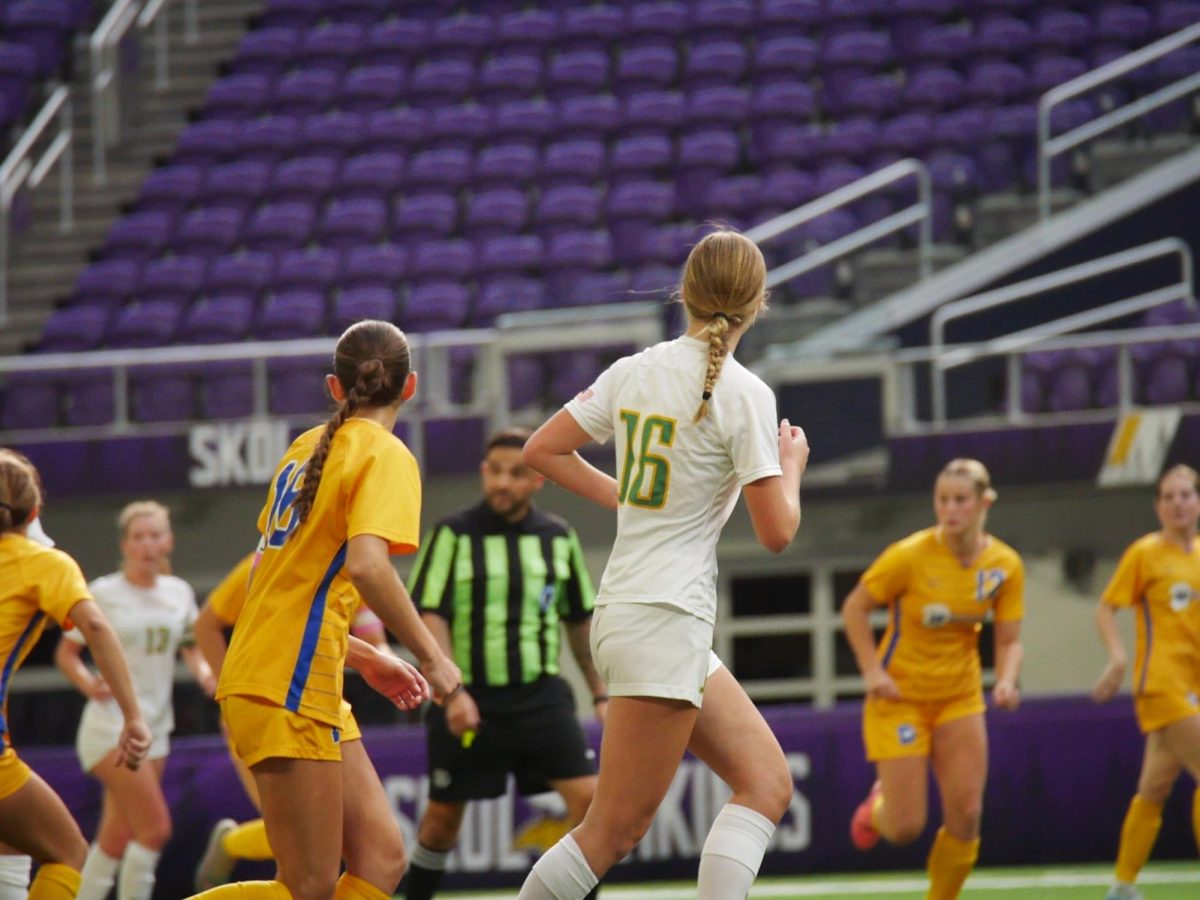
645, 476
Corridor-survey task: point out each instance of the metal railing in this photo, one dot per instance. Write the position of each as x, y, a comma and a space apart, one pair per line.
941, 359
105, 50
1049, 147
21, 169
919, 213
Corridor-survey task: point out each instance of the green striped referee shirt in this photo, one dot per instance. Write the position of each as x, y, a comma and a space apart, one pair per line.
503, 587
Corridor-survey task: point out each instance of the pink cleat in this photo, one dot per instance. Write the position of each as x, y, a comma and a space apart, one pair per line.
863, 834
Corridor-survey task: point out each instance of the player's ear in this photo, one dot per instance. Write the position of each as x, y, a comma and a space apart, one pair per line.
335, 388
410, 387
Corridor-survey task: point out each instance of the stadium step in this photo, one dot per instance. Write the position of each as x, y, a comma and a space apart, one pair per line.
878, 273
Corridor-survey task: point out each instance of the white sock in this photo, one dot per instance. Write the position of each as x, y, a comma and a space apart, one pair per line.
137, 872
732, 853
561, 874
14, 877
98, 875
433, 860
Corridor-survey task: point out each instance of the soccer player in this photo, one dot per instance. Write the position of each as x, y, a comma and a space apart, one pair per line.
492, 584
1159, 579
693, 429
344, 497
152, 614
924, 688
37, 584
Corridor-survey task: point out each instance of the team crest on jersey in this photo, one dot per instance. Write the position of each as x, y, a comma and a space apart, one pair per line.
987, 583
1181, 595
907, 734
585, 395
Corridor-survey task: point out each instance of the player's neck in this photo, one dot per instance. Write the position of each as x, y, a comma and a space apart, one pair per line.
139, 578
384, 416
699, 331
966, 546
1181, 537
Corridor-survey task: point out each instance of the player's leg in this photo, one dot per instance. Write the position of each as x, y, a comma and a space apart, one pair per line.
230, 841
142, 809
302, 804
372, 844
733, 739
34, 821
634, 776
897, 736
959, 760
436, 837
113, 834
1160, 769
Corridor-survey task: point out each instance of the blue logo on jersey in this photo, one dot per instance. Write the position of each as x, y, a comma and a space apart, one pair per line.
907, 734
281, 522
548, 594
337, 735
987, 582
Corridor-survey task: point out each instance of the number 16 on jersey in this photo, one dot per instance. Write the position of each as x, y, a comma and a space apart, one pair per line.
645, 475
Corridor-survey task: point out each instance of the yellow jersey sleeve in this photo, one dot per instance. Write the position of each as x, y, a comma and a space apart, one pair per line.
227, 598
889, 576
1010, 598
1127, 584
60, 584
383, 496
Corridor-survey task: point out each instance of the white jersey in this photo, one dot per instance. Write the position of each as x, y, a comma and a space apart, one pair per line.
150, 623
678, 482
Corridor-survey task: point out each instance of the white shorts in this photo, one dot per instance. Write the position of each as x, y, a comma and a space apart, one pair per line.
94, 741
652, 650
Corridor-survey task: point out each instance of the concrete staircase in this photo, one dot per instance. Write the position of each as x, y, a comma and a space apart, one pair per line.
45, 261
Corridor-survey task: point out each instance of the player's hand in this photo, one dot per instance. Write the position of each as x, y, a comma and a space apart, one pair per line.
443, 677
1006, 695
399, 681
208, 684
134, 743
880, 685
601, 708
1110, 681
99, 690
793, 446
462, 714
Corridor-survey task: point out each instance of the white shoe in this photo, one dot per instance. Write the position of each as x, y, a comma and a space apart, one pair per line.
1122, 890
215, 865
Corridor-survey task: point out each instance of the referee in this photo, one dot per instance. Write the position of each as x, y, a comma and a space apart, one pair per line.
492, 583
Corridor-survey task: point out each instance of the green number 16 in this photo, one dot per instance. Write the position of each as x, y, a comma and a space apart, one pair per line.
645, 476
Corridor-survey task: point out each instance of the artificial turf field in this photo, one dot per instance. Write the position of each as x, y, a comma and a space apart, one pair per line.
1178, 881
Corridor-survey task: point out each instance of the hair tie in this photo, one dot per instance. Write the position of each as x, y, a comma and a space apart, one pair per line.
707, 395
720, 315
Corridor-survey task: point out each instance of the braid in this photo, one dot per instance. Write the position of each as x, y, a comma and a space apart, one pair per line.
717, 329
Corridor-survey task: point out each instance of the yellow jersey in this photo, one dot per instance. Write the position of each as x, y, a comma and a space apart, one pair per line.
35, 582
227, 598
289, 646
1161, 581
937, 607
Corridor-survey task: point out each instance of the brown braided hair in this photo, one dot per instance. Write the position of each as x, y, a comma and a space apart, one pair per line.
724, 284
20, 490
372, 363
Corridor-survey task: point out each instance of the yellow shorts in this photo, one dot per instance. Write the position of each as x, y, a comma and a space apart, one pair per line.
897, 728
350, 729
13, 773
1157, 711
259, 729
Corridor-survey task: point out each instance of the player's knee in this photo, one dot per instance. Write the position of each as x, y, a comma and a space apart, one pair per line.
438, 829
394, 857
155, 835
313, 885
904, 828
777, 789
964, 821
1156, 792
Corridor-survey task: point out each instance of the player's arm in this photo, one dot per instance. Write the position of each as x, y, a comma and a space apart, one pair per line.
774, 501
552, 450
462, 712
579, 637
394, 678
1009, 653
68, 656
209, 635
194, 659
856, 618
1114, 673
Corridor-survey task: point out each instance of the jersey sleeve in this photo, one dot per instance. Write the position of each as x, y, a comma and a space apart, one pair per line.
1010, 599
592, 408
888, 577
227, 598
432, 585
1125, 587
752, 438
579, 598
60, 584
384, 496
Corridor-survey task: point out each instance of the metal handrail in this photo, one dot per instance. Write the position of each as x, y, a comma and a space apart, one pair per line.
1049, 147
920, 213
941, 360
20, 169
104, 47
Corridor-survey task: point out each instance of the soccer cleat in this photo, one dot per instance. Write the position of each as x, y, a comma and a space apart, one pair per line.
863, 834
215, 865
1122, 890
541, 834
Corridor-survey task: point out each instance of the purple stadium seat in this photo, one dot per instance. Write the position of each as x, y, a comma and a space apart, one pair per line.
371, 175
1052, 71
654, 281
526, 30
646, 67
207, 142
1177, 15
1062, 30
509, 77
308, 179
586, 27
782, 190
907, 135
1124, 26
789, 17
296, 386
997, 83
786, 58
733, 199
295, 313
717, 62
461, 127
395, 42
721, 19
507, 164
176, 278
170, 189
641, 155
575, 205
504, 295
1002, 38
523, 119
331, 46
874, 95
1010, 130
780, 102
378, 264
526, 381
312, 268
364, 302
579, 161
371, 88
106, 283
1175, 313
934, 89
18, 71
703, 157
218, 319
577, 73
653, 112
161, 394
241, 183
946, 44
149, 324
1068, 380
572, 254
436, 306
496, 211
89, 398
392, 129
304, 92
30, 400
852, 139
663, 21
788, 145
267, 51
359, 12
634, 210
246, 274
353, 221
270, 139
961, 128
442, 81
447, 168
226, 390
430, 215
591, 116
209, 231
452, 260
238, 97
571, 373
292, 13
280, 226
139, 236
74, 329
725, 105
857, 51
45, 27
513, 254
1166, 379
464, 36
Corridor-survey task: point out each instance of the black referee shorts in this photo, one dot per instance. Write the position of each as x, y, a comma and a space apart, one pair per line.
529, 730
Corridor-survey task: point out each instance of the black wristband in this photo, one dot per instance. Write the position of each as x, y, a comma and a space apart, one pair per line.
600, 698
454, 693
